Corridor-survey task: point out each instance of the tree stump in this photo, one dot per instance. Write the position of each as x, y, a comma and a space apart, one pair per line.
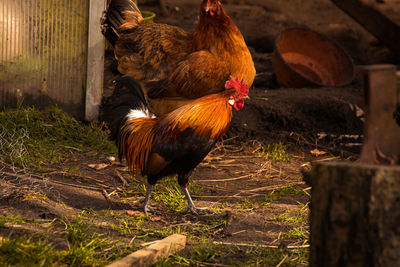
355, 215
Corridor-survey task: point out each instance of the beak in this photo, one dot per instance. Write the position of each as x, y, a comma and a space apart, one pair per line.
246, 97
207, 8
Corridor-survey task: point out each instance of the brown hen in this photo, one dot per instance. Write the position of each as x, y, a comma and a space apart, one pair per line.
173, 66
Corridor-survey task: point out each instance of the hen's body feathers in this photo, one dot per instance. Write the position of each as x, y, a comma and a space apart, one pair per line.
174, 66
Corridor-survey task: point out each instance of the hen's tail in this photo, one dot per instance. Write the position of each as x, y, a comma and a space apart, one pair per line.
127, 102
120, 15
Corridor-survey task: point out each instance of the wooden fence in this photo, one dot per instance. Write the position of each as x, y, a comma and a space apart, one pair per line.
51, 53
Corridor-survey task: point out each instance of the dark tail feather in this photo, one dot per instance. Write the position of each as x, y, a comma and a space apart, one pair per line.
118, 13
128, 94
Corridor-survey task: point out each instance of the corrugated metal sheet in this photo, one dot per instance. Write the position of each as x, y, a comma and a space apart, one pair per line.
44, 53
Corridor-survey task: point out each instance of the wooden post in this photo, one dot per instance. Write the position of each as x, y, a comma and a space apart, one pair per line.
355, 215
95, 61
381, 142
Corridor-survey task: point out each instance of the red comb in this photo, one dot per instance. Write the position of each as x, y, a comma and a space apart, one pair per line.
237, 84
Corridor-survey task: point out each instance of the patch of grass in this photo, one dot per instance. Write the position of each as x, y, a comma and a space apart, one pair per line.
25, 251
87, 246
272, 257
36, 139
169, 193
166, 192
206, 254
275, 152
13, 219
301, 217
300, 234
196, 255
272, 197
137, 228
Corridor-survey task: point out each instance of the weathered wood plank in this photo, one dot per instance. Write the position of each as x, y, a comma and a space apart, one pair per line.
95, 62
150, 254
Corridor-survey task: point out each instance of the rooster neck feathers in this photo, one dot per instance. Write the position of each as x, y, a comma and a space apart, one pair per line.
208, 117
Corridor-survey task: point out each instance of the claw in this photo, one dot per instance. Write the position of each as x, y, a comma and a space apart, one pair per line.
149, 209
191, 207
196, 210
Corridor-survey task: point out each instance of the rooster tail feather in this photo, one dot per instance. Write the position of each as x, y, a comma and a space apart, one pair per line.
135, 142
126, 103
120, 15
135, 134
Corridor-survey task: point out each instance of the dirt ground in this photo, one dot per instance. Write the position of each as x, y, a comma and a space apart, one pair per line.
301, 119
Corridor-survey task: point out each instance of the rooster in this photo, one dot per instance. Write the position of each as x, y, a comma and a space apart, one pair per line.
173, 66
174, 143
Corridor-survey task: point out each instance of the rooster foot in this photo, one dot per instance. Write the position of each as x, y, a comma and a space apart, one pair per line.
149, 209
196, 210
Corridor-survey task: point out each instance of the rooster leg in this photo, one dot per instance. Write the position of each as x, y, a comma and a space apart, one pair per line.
191, 207
147, 207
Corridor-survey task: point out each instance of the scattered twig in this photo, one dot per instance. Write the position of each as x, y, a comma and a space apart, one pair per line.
227, 179
22, 176
244, 157
99, 182
268, 188
124, 182
106, 195
280, 263
216, 197
305, 191
212, 264
239, 232
184, 224
260, 245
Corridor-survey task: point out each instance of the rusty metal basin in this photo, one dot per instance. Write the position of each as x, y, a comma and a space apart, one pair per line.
304, 58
